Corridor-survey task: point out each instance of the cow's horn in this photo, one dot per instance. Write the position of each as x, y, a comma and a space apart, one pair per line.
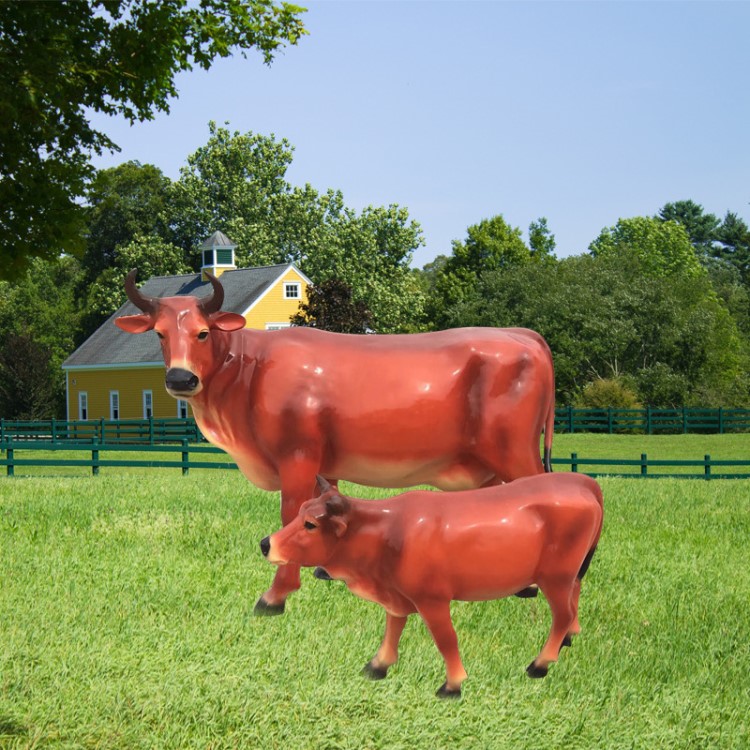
323, 484
213, 302
141, 301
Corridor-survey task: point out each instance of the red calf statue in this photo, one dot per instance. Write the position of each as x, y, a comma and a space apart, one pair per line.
455, 409
418, 551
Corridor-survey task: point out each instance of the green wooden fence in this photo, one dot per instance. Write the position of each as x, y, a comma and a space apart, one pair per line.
185, 456
153, 431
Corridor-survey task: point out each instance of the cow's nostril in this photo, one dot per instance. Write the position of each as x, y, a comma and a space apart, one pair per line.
265, 546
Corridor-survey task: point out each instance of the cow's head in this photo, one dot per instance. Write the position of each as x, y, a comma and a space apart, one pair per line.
312, 537
186, 327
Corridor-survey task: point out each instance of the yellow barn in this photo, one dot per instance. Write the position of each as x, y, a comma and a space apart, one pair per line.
117, 375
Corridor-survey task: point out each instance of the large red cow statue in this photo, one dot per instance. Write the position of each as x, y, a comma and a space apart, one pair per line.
454, 409
418, 551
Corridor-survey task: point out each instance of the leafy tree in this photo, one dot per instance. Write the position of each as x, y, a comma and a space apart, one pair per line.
541, 240
663, 246
151, 255
39, 318
605, 317
60, 60
491, 245
700, 226
237, 183
733, 245
330, 307
27, 383
126, 201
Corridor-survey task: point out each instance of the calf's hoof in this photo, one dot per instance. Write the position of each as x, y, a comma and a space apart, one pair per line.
567, 641
534, 671
445, 692
264, 609
321, 574
374, 673
528, 593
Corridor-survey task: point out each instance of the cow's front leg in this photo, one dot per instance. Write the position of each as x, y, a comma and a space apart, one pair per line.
298, 484
387, 655
437, 616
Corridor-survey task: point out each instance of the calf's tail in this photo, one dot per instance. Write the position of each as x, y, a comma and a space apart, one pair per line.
590, 554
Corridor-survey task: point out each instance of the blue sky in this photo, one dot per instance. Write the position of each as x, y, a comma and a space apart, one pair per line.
583, 112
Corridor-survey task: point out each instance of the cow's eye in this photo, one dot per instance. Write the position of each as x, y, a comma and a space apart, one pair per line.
310, 525
203, 335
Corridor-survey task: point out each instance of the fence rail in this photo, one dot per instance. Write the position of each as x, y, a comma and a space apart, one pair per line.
35, 453
153, 431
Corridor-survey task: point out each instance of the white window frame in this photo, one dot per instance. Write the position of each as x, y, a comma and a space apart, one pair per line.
148, 396
297, 290
83, 405
182, 409
277, 326
114, 404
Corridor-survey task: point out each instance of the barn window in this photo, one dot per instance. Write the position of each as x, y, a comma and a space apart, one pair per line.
182, 409
292, 290
83, 405
148, 404
114, 405
277, 326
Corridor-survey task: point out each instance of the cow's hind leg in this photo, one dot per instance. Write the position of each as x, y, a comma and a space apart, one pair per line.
559, 595
387, 655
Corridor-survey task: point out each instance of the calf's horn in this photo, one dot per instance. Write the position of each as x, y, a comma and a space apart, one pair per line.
215, 300
324, 484
141, 301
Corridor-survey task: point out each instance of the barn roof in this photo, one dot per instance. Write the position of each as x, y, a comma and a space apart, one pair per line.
110, 346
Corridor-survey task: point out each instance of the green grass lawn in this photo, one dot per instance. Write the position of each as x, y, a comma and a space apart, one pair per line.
126, 622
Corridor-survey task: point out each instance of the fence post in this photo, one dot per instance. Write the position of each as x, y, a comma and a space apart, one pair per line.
574, 462
707, 466
95, 462
644, 465
10, 468
185, 458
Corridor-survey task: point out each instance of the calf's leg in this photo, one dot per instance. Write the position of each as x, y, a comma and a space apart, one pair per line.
559, 595
437, 616
387, 654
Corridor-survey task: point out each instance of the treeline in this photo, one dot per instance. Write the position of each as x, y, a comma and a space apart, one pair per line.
656, 311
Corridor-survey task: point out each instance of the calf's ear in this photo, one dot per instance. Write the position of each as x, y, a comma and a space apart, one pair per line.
135, 323
339, 525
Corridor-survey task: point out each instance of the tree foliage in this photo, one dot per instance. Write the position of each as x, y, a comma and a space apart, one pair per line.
60, 60
330, 307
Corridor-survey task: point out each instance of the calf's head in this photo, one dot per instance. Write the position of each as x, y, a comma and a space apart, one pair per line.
187, 328
312, 537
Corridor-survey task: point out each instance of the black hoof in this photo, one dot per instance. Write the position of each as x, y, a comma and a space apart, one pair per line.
533, 671
374, 673
567, 641
528, 593
445, 692
321, 574
264, 609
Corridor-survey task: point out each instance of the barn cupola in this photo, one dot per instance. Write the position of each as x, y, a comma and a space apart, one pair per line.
217, 255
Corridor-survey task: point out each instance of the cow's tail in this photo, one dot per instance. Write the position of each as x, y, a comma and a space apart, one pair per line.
589, 556
549, 428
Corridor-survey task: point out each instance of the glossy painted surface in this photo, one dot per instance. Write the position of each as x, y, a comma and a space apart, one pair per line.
454, 409
416, 552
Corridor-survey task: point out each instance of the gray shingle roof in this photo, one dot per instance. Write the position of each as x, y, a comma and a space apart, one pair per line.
108, 345
217, 239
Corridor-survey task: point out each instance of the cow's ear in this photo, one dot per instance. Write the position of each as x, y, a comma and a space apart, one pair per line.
226, 321
135, 323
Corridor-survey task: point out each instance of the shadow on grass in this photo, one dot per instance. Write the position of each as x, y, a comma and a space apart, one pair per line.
11, 728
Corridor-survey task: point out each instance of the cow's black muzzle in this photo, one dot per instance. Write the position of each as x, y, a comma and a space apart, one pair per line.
181, 381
